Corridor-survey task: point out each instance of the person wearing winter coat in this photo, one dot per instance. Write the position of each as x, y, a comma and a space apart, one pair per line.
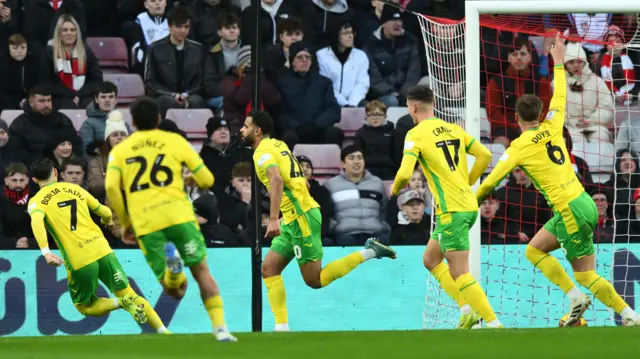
149, 27
415, 226
589, 110
15, 223
61, 147
236, 197
616, 67
625, 182
375, 139
272, 12
628, 137
18, 73
494, 229
321, 16
346, 66
11, 17
206, 25
10, 152
276, 57
603, 198
319, 193
41, 17
105, 101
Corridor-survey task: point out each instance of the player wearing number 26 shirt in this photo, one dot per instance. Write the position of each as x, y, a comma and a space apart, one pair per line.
540, 151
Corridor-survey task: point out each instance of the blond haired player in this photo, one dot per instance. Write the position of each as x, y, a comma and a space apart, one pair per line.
540, 151
64, 210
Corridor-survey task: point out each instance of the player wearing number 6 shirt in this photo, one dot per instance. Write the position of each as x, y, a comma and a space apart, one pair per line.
441, 149
64, 209
147, 169
298, 234
540, 151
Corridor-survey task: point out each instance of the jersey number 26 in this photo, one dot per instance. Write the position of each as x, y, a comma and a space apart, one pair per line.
156, 169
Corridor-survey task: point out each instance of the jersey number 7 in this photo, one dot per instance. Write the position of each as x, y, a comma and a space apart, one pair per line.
73, 205
153, 175
444, 145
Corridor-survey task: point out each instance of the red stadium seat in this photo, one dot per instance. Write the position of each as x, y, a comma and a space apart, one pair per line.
76, 116
325, 158
130, 86
193, 122
351, 120
111, 53
9, 115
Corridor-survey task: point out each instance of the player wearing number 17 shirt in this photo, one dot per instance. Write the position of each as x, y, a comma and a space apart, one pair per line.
540, 151
298, 234
147, 169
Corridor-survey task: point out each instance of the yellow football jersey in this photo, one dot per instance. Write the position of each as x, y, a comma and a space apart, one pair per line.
542, 154
441, 149
296, 199
149, 166
66, 214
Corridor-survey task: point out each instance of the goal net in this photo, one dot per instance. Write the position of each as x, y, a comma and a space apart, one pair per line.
602, 114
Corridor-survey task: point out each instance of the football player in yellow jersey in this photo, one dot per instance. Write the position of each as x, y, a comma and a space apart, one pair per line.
298, 234
147, 169
441, 149
63, 209
540, 151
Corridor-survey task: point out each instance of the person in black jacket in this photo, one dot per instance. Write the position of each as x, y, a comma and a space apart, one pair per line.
320, 16
9, 151
494, 229
308, 109
416, 225
236, 197
149, 27
625, 182
272, 12
376, 140
15, 223
10, 16
174, 68
206, 25
319, 193
276, 61
18, 73
41, 17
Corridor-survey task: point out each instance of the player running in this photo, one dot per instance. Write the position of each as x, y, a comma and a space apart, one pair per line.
298, 234
540, 151
147, 168
63, 209
441, 148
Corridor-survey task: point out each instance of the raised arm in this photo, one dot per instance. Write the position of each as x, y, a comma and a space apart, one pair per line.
556, 112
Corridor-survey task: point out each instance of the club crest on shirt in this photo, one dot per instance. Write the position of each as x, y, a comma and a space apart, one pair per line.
264, 158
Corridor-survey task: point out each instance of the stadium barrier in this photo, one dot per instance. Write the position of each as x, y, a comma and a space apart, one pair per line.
382, 295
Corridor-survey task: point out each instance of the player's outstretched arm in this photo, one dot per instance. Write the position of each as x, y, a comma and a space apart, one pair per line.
483, 158
505, 165
405, 172
112, 184
40, 232
559, 100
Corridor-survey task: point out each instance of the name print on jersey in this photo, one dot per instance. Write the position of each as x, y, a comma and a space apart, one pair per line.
49, 196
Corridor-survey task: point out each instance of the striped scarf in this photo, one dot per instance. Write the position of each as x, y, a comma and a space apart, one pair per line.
71, 75
55, 4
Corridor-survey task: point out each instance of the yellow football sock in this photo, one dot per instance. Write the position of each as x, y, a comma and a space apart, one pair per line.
98, 308
443, 276
473, 294
174, 281
215, 309
602, 289
277, 298
550, 267
153, 319
339, 268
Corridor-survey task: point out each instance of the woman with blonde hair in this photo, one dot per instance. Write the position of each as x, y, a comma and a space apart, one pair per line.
69, 66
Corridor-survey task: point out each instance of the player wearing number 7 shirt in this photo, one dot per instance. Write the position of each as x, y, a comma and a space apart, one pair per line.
147, 169
298, 234
540, 151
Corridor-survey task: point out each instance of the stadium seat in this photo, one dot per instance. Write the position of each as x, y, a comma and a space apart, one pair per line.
111, 53
9, 115
600, 156
351, 120
193, 122
76, 116
325, 158
394, 113
130, 86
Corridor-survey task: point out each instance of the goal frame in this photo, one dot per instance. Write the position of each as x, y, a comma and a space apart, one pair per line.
473, 10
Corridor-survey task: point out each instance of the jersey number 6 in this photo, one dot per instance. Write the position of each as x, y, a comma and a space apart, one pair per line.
153, 175
552, 150
444, 145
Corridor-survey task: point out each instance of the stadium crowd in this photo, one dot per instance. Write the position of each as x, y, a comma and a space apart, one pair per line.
322, 60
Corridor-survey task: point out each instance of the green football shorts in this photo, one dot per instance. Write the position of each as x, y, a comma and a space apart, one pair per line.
187, 238
452, 230
573, 227
83, 283
301, 238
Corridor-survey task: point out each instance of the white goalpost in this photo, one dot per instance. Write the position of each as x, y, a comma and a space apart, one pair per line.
520, 296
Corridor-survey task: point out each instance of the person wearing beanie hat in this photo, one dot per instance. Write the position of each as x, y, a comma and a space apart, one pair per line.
61, 147
301, 50
115, 123
617, 69
244, 58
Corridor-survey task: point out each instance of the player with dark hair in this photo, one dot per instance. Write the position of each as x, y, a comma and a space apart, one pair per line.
299, 233
147, 168
541, 152
63, 209
441, 148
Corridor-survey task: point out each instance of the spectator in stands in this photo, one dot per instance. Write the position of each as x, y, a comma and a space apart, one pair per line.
174, 67
345, 66
73, 170
616, 67
10, 16
9, 152
591, 27
40, 122
394, 66
70, 67
150, 26
308, 109
105, 101
367, 19
628, 137
589, 104
276, 59
414, 228
223, 59
319, 193
604, 203
417, 183
359, 202
626, 180
238, 91
15, 223
208, 17
220, 155
18, 73
236, 197
375, 138
503, 91
272, 12
579, 165
323, 15
631, 227
115, 131
41, 17
494, 229
61, 147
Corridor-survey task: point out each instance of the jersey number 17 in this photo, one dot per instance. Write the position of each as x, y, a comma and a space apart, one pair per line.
444, 146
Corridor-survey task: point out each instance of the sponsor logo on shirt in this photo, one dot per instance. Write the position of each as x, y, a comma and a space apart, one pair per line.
264, 158
408, 145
